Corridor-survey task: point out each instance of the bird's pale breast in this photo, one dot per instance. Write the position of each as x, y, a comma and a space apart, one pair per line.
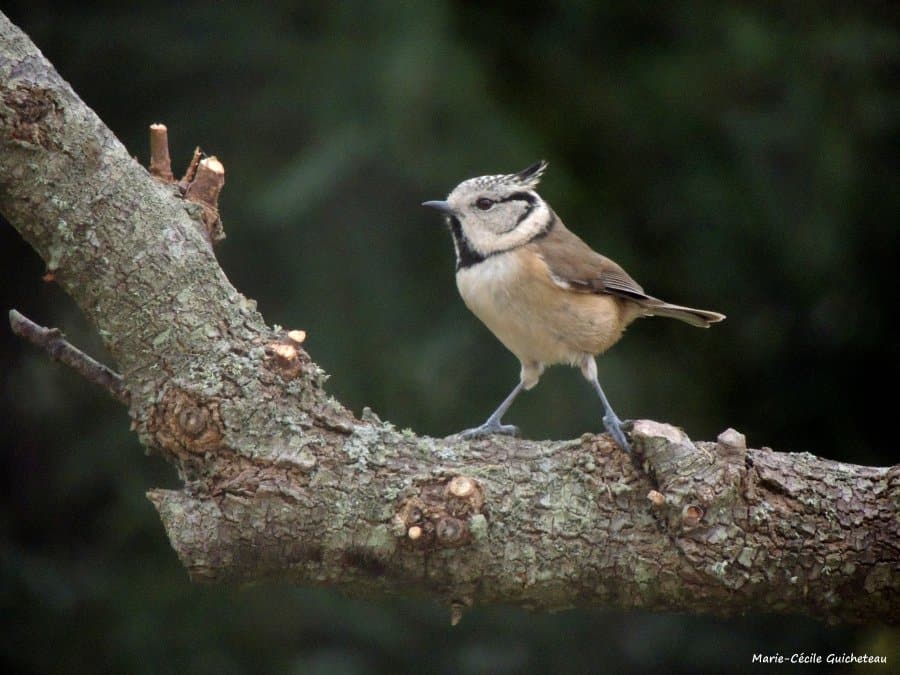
515, 297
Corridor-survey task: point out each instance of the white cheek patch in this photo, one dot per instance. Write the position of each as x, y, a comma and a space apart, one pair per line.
483, 241
528, 229
487, 243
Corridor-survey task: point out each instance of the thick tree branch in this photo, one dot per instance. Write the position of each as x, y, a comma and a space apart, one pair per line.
282, 481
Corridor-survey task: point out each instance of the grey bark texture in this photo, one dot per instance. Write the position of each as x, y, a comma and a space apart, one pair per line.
281, 481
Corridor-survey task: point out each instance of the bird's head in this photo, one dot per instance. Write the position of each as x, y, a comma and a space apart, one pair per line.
492, 214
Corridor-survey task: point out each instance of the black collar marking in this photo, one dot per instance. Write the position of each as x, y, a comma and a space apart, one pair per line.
466, 256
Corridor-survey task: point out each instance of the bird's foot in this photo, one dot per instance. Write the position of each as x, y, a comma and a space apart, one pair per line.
490, 428
613, 426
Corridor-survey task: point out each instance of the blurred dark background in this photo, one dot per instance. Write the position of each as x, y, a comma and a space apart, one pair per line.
738, 157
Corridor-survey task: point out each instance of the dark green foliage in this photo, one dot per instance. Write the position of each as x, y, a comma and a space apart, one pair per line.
738, 157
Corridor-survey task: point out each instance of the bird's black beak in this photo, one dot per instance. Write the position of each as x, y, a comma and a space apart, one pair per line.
443, 207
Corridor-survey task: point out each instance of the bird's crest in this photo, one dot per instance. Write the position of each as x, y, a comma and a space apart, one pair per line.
526, 179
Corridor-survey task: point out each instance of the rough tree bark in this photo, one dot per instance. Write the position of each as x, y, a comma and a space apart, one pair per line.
281, 481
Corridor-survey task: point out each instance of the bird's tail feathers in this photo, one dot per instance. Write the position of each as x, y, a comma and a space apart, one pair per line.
701, 318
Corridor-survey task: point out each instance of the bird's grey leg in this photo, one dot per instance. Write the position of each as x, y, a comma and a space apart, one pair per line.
611, 421
493, 424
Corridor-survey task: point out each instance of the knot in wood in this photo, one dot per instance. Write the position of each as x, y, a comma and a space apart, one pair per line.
451, 532
440, 515
185, 424
691, 515
35, 114
407, 515
192, 421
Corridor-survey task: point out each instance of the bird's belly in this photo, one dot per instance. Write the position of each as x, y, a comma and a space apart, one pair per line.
534, 318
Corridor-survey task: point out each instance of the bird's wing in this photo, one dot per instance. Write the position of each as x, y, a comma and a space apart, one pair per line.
576, 267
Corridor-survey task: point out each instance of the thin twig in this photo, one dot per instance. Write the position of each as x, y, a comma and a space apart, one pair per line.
52, 340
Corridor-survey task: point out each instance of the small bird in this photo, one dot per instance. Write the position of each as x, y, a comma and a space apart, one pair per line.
544, 293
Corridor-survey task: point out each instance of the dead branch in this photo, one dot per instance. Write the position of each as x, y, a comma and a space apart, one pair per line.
53, 341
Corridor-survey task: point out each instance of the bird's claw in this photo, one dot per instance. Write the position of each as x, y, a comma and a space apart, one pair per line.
613, 426
489, 429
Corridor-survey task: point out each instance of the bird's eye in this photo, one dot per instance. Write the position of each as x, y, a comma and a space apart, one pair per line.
484, 203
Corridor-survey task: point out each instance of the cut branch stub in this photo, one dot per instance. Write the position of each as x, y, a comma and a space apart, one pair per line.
656, 498
286, 358
160, 161
465, 496
297, 336
201, 185
191, 171
444, 514
204, 190
207, 182
693, 480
